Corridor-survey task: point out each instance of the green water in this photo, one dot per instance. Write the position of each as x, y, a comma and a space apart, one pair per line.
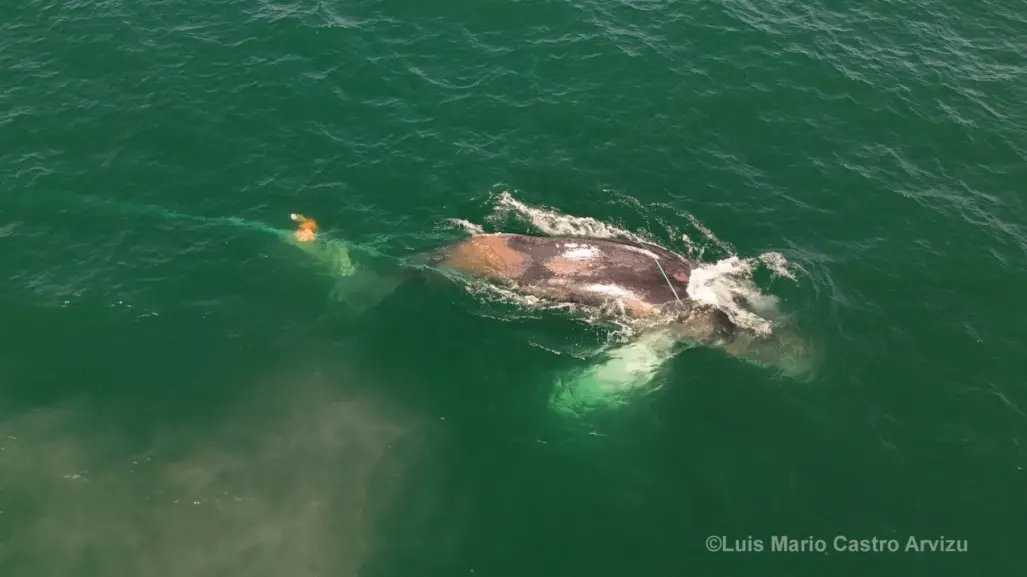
182, 393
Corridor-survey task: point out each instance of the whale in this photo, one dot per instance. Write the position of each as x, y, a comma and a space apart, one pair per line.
616, 279
622, 278
641, 280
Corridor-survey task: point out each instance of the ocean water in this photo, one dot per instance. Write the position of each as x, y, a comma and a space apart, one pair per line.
185, 392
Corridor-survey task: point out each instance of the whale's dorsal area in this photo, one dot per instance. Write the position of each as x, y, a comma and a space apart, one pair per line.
585, 270
641, 280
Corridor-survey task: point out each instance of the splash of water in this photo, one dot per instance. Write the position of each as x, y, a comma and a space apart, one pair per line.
554, 223
727, 285
467, 225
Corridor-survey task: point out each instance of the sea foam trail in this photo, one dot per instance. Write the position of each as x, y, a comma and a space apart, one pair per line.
554, 223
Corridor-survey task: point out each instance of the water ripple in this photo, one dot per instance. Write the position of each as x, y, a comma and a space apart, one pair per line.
880, 145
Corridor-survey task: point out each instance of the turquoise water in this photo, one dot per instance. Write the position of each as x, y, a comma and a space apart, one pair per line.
184, 392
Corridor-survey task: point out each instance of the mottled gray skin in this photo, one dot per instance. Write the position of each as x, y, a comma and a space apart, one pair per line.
589, 271
569, 263
615, 262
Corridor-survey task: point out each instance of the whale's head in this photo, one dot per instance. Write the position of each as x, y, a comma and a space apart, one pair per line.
784, 349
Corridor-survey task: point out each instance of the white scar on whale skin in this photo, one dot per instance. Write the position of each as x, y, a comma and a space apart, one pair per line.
611, 290
579, 252
650, 254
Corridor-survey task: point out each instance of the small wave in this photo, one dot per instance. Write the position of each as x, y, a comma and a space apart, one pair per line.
727, 285
467, 225
553, 223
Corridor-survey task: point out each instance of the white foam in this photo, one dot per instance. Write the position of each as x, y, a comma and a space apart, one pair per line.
555, 224
610, 290
467, 225
725, 282
778, 264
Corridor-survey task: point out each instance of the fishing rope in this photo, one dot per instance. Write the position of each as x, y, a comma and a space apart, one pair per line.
157, 211
134, 209
668, 281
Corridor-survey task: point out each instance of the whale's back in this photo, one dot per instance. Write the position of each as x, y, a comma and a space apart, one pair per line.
586, 270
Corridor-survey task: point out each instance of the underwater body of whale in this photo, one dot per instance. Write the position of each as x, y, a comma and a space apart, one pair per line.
639, 280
